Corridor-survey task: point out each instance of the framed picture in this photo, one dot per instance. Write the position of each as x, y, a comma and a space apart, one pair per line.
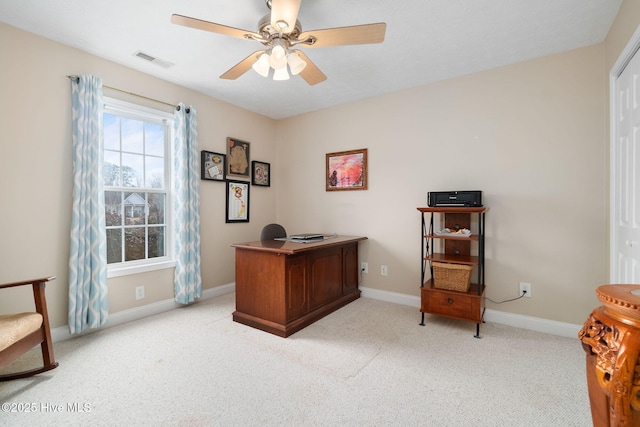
237, 201
213, 166
261, 173
238, 157
347, 170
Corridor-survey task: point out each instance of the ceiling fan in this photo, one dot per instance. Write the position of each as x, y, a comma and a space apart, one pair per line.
279, 32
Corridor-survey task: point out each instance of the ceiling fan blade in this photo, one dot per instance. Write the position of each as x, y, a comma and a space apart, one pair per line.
357, 34
242, 67
284, 12
214, 28
311, 74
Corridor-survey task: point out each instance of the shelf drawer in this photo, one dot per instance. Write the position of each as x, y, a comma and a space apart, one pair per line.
459, 305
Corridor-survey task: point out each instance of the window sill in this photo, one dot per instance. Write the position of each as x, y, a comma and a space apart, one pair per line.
117, 271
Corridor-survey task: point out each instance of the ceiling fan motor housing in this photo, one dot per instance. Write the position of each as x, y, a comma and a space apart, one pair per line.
268, 31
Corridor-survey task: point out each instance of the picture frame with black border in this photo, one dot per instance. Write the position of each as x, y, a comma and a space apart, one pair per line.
213, 166
261, 173
237, 206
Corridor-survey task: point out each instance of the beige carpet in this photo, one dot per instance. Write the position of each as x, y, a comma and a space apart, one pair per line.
368, 364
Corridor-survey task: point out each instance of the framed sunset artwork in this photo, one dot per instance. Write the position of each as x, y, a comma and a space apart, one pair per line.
347, 170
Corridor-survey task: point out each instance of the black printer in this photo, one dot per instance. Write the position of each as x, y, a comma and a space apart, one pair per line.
454, 198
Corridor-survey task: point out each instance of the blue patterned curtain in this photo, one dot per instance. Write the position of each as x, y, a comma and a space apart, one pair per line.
187, 280
88, 304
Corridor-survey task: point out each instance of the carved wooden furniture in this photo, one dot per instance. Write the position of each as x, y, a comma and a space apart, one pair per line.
453, 249
21, 332
283, 286
611, 338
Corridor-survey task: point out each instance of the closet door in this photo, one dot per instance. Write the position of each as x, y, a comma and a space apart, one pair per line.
625, 187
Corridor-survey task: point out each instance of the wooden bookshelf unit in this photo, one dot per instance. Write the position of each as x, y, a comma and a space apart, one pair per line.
453, 249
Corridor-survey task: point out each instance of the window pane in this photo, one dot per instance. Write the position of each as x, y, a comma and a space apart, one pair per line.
112, 168
132, 135
154, 176
111, 125
135, 208
132, 170
134, 243
113, 207
156, 208
136, 155
156, 242
114, 246
154, 139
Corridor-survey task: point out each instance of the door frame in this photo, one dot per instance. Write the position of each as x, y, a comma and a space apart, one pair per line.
630, 50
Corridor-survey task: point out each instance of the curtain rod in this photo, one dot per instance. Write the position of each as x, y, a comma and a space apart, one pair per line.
72, 77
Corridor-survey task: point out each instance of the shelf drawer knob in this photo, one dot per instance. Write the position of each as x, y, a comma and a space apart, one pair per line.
450, 300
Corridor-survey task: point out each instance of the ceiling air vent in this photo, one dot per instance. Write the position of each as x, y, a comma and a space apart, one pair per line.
153, 59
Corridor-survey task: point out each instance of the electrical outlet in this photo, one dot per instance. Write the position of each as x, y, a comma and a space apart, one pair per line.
139, 292
364, 267
525, 287
383, 270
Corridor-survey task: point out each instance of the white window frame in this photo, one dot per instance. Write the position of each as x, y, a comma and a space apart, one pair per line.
135, 111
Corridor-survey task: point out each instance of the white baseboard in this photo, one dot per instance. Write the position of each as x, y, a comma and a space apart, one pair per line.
62, 333
504, 318
538, 324
387, 296
509, 319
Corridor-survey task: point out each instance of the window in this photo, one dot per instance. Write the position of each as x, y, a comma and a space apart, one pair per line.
137, 183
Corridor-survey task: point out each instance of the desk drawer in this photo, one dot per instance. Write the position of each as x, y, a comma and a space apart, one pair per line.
459, 305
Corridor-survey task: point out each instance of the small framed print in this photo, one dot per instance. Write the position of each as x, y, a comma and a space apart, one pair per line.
213, 166
237, 201
260, 173
347, 170
238, 157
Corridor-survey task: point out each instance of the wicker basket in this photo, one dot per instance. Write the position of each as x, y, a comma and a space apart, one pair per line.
453, 277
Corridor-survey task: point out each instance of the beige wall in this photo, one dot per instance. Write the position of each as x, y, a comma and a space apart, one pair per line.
621, 31
532, 136
36, 171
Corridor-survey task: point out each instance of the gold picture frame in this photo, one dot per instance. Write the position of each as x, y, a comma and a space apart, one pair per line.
347, 170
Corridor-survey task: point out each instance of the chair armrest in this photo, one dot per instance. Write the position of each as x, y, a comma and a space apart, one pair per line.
41, 336
27, 282
39, 298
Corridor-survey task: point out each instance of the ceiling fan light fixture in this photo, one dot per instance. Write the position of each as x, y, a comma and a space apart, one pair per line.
296, 64
281, 74
278, 57
261, 66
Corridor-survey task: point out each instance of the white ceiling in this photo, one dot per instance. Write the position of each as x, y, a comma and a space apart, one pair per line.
426, 41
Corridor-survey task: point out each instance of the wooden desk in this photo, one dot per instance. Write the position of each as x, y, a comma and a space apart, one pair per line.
282, 287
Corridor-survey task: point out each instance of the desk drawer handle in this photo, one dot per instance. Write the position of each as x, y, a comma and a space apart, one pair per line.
450, 300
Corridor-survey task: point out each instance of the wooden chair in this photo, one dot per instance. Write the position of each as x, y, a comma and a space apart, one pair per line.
21, 332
